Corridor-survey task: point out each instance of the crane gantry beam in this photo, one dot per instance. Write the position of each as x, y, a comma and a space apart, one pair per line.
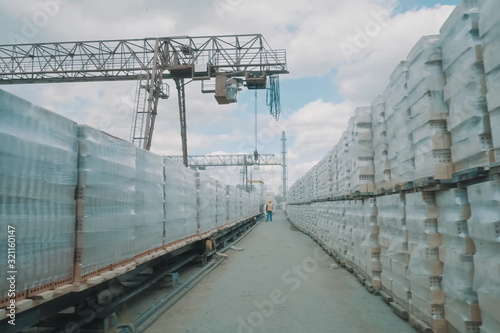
199, 58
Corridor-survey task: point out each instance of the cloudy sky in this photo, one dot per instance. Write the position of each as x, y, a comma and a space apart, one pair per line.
340, 55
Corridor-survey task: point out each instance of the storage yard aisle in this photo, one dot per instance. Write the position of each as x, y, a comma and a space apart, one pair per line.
288, 276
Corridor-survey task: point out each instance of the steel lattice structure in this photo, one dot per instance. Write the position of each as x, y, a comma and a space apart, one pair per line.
150, 60
129, 59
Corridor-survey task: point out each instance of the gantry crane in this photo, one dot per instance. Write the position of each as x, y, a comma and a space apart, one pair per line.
231, 61
244, 160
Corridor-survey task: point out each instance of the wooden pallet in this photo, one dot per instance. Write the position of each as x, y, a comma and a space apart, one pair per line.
40, 294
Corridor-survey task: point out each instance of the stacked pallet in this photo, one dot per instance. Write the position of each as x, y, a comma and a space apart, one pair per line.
352, 222
484, 228
180, 201
324, 177
233, 203
221, 204
369, 247
148, 209
461, 309
338, 227
428, 112
361, 152
38, 159
206, 189
393, 240
399, 151
465, 90
489, 30
382, 170
425, 268
106, 221
343, 165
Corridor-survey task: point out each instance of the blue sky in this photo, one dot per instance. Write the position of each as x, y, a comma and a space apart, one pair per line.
317, 98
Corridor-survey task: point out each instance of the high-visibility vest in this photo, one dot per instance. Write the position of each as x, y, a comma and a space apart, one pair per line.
269, 207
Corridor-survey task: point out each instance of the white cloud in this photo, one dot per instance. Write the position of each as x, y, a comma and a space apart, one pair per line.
318, 126
364, 78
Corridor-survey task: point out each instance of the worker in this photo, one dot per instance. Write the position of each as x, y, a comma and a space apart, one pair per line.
269, 210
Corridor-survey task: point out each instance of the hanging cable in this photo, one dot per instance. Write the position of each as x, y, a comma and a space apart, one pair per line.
273, 96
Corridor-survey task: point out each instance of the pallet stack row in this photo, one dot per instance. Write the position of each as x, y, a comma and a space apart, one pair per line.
87, 206
428, 235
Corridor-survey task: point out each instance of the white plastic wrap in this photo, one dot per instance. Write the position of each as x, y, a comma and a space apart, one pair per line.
484, 227
207, 202
107, 179
233, 205
38, 175
180, 202
221, 204
456, 35
149, 214
425, 72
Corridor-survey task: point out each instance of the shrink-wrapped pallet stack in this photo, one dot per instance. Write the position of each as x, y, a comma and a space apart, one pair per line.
361, 150
207, 201
148, 210
233, 203
400, 150
461, 309
465, 89
180, 201
425, 268
489, 31
343, 173
393, 240
435, 217
428, 111
382, 169
221, 203
38, 176
354, 231
106, 221
338, 226
484, 228
369, 247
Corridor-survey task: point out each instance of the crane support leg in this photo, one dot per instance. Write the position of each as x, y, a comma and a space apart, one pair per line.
179, 84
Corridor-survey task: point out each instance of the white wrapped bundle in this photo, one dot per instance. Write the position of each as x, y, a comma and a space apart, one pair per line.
221, 204
180, 202
399, 152
465, 91
381, 165
484, 228
233, 204
489, 28
362, 174
106, 180
207, 201
38, 175
149, 214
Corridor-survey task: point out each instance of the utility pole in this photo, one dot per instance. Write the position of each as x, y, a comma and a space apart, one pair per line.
283, 152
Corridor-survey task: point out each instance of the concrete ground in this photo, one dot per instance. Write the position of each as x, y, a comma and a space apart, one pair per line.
280, 282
